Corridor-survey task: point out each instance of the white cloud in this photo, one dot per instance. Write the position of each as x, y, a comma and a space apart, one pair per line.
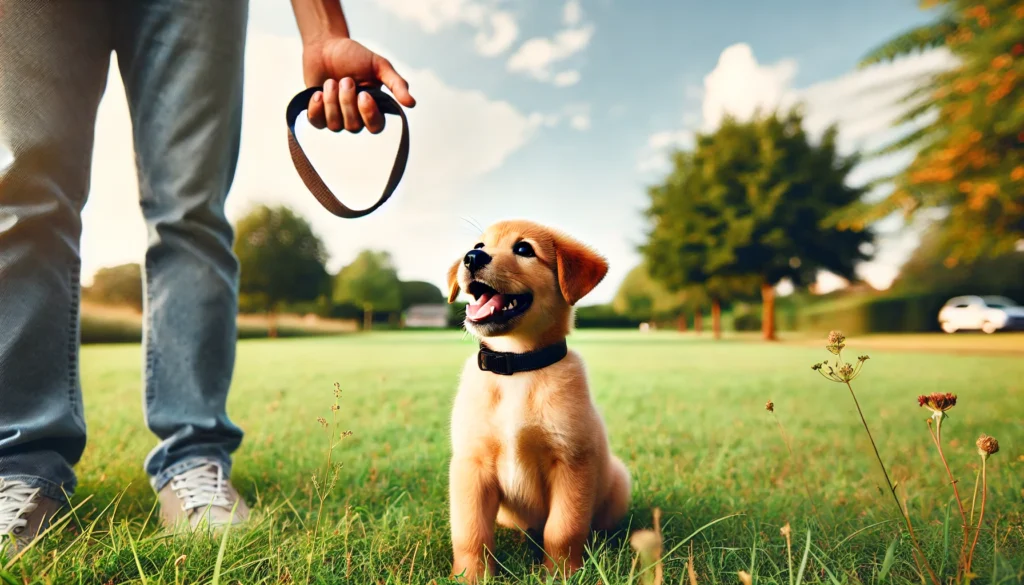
536, 56
863, 103
496, 29
503, 32
566, 78
456, 137
738, 85
580, 122
654, 156
572, 14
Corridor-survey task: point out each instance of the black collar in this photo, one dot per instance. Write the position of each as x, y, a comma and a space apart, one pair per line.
506, 363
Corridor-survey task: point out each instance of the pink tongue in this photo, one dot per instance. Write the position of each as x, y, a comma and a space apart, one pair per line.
485, 306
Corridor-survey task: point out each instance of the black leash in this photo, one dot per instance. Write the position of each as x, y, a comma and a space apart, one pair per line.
312, 179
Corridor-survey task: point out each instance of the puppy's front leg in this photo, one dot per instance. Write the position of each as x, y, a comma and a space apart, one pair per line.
473, 492
569, 517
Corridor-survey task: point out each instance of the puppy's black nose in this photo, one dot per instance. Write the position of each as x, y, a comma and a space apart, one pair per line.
475, 260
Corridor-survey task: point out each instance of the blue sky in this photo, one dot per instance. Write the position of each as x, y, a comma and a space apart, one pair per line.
555, 111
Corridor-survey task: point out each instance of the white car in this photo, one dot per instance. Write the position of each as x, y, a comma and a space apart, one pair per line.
980, 313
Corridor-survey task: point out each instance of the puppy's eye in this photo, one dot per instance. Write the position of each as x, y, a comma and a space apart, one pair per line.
523, 249
478, 246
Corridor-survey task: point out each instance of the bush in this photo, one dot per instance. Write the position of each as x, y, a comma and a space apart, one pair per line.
877, 314
604, 317
746, 317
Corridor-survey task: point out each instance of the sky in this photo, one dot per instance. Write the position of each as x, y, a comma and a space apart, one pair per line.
558, 111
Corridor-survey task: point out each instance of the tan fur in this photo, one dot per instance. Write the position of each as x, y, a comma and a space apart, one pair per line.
530, 451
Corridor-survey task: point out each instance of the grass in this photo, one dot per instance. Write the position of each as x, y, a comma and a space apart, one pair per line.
686, 414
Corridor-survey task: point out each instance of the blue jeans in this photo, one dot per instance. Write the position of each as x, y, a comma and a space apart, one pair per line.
181, 62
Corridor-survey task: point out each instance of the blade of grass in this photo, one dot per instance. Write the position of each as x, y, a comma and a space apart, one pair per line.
855, 533
887, 561
831, 575
135, 554
223, 547
945, 538
803, 562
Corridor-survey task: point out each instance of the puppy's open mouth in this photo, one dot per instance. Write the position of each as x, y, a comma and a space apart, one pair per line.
491, 306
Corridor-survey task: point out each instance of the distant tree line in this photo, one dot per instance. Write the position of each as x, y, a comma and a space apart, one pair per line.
283, 270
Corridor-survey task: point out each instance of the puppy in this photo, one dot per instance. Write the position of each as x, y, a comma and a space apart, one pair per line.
529, 449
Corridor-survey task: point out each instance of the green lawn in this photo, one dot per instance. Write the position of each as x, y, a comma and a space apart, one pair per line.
686, 414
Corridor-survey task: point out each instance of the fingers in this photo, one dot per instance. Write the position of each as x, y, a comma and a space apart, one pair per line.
332, 107
315, 111
341, 107
350, 112
370, 113
399, 87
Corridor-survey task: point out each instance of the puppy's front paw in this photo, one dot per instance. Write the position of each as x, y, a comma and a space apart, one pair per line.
471, 568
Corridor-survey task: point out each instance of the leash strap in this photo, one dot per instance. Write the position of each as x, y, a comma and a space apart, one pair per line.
312, 179
506, 364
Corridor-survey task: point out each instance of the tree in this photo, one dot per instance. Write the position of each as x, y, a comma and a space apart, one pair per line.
417, 292
117, 285
643, 298
748, 208
966, 126
281, 260
370, 282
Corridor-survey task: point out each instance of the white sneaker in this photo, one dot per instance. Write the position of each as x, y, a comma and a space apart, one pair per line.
23, 514
201, 496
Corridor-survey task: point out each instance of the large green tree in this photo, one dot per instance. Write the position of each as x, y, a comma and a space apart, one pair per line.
966, 125
281, 258
117, 285
370, 282
749, 207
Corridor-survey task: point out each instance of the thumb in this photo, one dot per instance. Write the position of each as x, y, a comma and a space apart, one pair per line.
393, 81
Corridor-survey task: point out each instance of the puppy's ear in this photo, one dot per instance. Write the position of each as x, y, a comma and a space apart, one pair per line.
453, 282
580, 268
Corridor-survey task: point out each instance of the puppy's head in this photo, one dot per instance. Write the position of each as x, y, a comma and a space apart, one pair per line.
524, 278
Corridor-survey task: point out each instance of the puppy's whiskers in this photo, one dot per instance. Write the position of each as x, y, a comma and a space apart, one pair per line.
474, 224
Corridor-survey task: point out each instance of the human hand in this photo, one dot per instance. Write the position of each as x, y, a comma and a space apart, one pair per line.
341, 65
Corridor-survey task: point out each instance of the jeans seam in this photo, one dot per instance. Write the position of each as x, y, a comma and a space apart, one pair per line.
73, 335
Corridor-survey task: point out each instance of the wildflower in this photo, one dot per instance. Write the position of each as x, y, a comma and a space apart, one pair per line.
816, 367
938, 402
863, 358
770, 406
337, 390
335, 408
322, 421
786, 530
836, 342
987, 446
846, 372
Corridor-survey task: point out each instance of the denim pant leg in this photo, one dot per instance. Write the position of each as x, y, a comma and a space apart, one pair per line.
181, 62
54, 59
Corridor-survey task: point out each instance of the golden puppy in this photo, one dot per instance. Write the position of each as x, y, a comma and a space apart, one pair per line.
529, 449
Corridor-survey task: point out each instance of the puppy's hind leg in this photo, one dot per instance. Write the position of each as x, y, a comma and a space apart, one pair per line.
474, 498
613, 509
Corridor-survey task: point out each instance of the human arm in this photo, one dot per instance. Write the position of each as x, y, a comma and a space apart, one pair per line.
330, 58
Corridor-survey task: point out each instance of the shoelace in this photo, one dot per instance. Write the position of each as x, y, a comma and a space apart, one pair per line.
17, 500
202, 487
